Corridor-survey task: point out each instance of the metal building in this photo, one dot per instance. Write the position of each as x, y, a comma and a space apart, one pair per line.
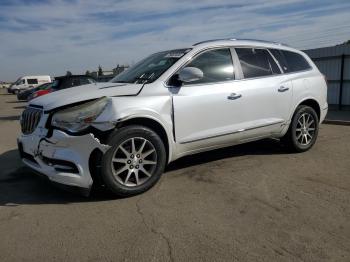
334, 62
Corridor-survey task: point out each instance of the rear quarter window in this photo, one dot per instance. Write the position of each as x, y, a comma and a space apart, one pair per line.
290, 61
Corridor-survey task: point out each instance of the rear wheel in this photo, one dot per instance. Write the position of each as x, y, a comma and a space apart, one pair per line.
303, 129
135, 161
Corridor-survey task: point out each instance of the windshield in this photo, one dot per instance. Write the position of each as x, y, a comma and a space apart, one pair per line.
18, 81
150, 68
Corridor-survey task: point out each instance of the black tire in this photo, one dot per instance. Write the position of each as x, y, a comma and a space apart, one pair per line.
119, 138
292, 138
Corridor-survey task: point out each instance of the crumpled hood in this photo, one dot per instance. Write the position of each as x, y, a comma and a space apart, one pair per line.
85, 92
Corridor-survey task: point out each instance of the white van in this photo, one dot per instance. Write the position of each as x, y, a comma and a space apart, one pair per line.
27, 82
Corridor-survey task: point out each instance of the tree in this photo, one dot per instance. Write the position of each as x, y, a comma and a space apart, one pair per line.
87, 73
100, 71
68, 73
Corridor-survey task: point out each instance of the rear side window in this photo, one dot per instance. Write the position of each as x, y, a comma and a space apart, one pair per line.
216, 65
290, 61
281, 59
256, 62
295, 61
32, 81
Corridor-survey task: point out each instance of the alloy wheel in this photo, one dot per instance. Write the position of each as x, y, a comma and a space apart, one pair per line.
305, 129
134, 161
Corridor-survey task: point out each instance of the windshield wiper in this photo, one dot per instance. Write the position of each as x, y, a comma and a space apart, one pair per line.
121, 81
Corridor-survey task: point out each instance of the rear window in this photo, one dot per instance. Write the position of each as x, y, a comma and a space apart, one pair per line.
256, 62
290, 61
32, 81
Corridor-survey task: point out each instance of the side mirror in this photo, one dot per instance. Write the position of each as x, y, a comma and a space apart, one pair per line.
190, 74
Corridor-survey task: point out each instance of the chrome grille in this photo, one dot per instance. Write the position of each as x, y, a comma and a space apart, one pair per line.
30, 119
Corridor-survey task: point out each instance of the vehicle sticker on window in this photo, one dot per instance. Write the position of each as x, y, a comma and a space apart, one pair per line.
176, 54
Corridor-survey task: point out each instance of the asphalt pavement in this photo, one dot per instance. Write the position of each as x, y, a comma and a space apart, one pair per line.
253, 202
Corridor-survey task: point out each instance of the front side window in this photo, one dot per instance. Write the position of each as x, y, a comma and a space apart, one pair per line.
256, 62
32, 81
215, 64
150, 68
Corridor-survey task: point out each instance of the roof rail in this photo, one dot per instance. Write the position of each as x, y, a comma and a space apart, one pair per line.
234, 39
261, 41
212, 40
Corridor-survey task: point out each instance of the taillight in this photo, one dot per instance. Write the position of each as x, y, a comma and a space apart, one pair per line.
325, 79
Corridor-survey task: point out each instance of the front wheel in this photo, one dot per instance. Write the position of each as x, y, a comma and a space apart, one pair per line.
135, 161
303, 129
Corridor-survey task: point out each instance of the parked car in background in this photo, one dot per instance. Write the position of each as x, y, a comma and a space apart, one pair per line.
63, 82
4, 85
174, 103
27, 82
40, 92
24, 95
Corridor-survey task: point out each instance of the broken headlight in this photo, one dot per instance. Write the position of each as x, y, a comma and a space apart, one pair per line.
78, 118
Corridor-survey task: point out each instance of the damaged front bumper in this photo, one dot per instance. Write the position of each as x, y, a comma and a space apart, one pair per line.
63, 158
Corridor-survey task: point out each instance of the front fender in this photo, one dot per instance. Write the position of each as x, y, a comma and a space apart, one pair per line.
121, 109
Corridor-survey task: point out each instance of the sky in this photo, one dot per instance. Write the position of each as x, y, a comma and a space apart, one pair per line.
39, 37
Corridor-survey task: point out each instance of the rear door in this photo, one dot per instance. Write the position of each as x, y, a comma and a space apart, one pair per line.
266, 92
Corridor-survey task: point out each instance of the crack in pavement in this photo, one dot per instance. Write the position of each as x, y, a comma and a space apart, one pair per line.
155, 231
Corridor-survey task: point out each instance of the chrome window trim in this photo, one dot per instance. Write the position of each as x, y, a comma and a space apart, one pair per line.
165, 82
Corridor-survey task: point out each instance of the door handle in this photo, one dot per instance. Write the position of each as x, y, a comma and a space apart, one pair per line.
283, 89
234, 96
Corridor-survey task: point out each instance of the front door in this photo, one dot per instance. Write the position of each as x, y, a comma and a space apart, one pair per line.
204, 109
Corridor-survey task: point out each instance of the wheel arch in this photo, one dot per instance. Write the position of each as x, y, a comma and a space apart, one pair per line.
153, 124
311, 102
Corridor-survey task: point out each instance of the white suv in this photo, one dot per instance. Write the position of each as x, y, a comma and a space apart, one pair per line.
173, 103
